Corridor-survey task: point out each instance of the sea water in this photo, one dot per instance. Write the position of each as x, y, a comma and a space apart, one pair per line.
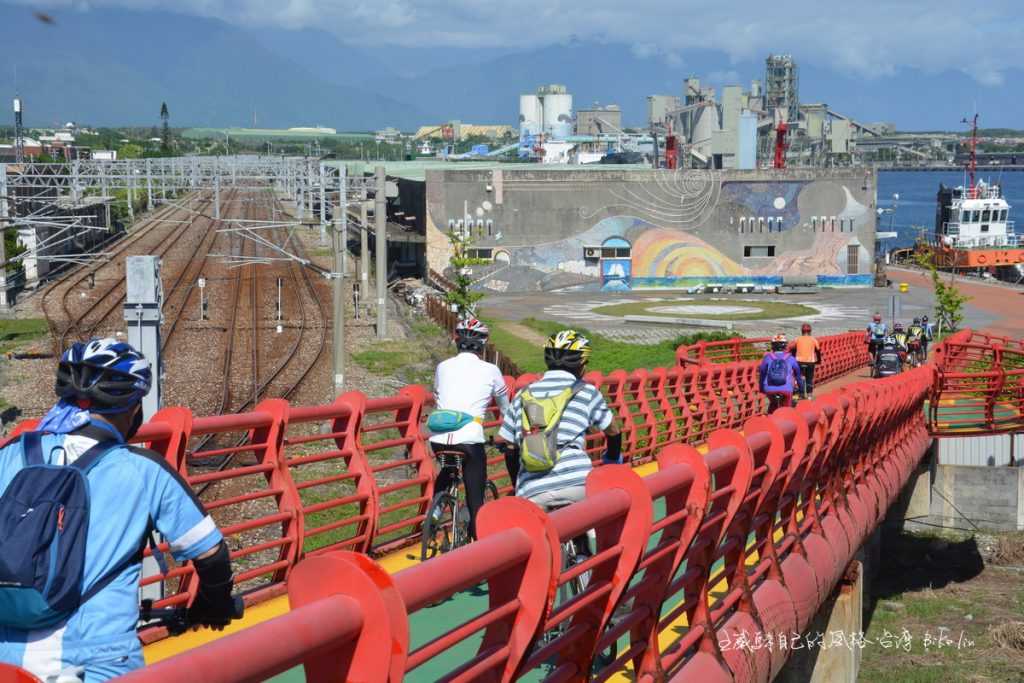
916, 206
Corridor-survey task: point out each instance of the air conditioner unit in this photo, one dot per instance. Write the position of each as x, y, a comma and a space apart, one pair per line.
591, 252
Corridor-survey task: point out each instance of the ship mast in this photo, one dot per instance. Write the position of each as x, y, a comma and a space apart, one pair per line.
972, 162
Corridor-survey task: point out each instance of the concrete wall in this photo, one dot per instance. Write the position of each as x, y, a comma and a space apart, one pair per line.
683, 227
658, 107
842, 133
964, 496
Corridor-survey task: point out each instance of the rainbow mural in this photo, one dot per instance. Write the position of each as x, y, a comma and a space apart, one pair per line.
682, 229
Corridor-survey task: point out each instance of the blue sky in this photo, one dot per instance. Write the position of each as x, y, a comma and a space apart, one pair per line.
917, 63
869, 38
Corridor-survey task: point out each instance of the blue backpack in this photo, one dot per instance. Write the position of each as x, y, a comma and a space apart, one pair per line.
44, 520
778, 372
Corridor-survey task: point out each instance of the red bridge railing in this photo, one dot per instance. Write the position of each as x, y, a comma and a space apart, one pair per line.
840, 353
288, 484
978, 386
807, 484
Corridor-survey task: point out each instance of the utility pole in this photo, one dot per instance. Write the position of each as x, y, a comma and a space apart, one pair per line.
323, 204
364, 248
4, 216
130, 169
380, 216
338, 286
279, 306
149, 185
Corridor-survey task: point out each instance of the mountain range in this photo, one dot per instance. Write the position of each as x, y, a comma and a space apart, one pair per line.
111, 67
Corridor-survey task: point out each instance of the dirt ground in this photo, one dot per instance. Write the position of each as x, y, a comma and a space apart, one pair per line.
947, 609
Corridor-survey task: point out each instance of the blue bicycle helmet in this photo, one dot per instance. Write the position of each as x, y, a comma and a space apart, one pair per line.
103, 376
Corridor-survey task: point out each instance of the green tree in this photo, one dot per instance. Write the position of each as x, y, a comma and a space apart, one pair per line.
165, 134
461, 295
949, 301
129, 151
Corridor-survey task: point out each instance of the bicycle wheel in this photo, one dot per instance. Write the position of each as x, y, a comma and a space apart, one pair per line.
490, 492
437, 527
577, 586
460, 530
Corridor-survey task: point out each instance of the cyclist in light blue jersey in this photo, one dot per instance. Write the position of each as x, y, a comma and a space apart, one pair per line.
132, 491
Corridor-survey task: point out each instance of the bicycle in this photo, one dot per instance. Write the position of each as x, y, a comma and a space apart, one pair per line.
446, 526
577, 551
777, 400
916, 353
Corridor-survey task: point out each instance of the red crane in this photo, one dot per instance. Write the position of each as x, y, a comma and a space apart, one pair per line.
671, 150
780, 145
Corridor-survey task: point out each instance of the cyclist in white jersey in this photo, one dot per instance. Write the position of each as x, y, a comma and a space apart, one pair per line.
466, 383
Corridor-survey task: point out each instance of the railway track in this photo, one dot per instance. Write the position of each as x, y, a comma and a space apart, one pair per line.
311, 331
185, 284
111, 298
81, 273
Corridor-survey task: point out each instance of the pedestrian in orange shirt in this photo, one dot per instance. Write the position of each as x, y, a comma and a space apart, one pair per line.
808, 354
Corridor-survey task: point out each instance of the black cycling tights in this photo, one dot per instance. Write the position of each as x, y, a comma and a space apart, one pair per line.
474, 475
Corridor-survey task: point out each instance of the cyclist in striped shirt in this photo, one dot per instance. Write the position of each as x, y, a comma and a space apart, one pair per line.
565, 354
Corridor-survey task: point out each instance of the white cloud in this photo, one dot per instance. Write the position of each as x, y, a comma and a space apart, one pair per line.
871, 38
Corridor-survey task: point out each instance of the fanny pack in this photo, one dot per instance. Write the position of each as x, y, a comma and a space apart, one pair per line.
444, 421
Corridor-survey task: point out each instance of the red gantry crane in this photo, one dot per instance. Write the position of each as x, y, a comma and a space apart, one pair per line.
780, 145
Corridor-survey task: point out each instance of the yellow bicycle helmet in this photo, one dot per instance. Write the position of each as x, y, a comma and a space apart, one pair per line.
566, 349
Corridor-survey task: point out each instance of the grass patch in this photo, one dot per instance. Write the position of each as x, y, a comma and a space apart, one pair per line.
411, 360
15, 332
951, 609
766, 309
608, 354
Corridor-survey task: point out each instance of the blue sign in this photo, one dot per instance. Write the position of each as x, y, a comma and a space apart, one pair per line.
616, 274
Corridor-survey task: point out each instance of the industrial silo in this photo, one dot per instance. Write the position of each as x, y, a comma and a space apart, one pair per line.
531, 115
558, 115
704, 128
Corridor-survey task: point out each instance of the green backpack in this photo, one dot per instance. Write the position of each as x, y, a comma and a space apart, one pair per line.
539, 448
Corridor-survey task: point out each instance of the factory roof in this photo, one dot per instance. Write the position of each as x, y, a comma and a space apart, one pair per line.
309, 133
417, 170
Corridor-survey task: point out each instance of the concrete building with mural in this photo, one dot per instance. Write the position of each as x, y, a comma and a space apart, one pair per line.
616, 228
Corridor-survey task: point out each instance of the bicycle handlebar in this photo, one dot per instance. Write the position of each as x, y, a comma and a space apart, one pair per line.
175, 619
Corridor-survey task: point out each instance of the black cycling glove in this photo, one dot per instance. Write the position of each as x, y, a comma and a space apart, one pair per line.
511, 454
613, 455
213, 605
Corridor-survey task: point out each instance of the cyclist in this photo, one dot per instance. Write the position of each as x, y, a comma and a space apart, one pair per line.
466, 383
915, 337
808, 355
888, 361
876, 332
899, 333
100, 384
779, 374
566, 354
928, 334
